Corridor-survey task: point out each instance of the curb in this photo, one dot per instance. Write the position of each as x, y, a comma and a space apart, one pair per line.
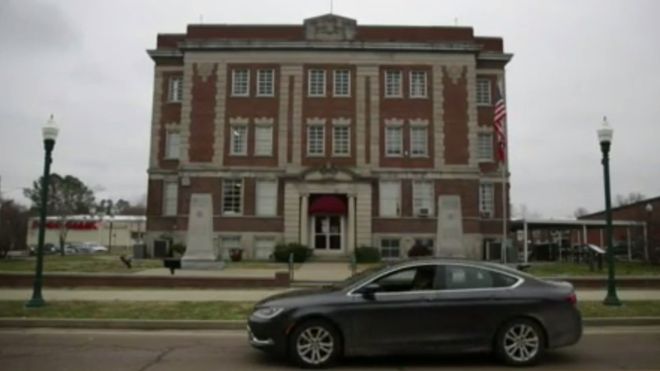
126, 324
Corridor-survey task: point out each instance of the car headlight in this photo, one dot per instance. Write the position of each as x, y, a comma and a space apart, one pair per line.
267, 312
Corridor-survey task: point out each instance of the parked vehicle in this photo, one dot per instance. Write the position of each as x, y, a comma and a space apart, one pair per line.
420, 307
49, 249
92, 248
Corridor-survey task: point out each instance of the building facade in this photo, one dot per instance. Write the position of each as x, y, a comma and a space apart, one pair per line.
331, 134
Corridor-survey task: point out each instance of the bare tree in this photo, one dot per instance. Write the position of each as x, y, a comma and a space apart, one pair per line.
631, 198
580, 211
13, 226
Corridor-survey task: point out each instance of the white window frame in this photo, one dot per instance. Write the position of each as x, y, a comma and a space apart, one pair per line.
266, 198
232, 182
390, 86
385, 203
170, 198
487, 199
175, 89
484, 90
261, 83
234, 129
389, 143
228, 243
336, 74
263, 146
335, 141
424, 84
312, 84
172, 147
485, 146
423, 194
390, 247
234, 82
310, 128
419, 152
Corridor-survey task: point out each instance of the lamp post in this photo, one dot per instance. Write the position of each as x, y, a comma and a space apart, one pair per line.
649, 241
605, 139
49, 133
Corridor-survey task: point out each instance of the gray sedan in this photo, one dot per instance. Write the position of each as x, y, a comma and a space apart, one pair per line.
425, 306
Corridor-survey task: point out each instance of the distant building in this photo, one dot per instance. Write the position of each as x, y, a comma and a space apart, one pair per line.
332, 134
119, 232
645, 211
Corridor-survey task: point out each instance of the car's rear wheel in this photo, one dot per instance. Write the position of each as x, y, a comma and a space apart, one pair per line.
314, 344
520, 342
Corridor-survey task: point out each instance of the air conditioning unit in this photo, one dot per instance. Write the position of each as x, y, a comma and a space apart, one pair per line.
423, 212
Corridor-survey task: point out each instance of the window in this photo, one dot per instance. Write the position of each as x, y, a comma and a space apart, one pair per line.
393, 84
316, 83
418, 141
265, 83
238, 145
175, 92
393, 141
341, 140
264, 248
170, 198
423, 198
342, 83
390, 248
263, 140
417, 84
486, 199
232, 190
390, 198
485, 147
172, 141
315, 140
483, 92
410, 279
457, 277
240, 83
266, 197
229, 243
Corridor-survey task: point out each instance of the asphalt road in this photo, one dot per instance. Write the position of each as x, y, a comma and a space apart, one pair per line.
44, 349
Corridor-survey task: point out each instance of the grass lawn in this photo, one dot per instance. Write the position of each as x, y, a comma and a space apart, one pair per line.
573, 269
234, 310
77, 263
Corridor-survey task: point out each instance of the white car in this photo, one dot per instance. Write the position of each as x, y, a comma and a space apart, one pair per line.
92, 248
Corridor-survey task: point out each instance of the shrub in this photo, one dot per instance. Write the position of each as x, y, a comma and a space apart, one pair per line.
177, 249
300, 252
367, 254
419, 250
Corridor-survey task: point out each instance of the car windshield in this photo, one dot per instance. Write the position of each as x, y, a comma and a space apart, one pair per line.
350, 281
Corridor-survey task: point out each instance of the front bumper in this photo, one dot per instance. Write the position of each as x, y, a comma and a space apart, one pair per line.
269, 336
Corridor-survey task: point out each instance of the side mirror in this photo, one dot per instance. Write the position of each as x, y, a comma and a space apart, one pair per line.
369, 291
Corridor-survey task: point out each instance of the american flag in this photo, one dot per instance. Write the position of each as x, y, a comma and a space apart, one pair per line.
498, 124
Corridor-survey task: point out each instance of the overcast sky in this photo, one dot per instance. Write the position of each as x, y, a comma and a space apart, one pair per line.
575, 61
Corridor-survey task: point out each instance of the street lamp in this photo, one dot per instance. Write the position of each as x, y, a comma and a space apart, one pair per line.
605, 139
49, 133
649, 242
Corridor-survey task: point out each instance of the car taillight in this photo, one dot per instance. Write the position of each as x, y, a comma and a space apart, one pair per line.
572, 299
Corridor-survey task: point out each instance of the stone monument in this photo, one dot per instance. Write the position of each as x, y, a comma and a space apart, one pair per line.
450, 228
200, 253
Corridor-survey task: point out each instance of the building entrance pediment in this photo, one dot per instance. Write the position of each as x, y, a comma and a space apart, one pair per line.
329, 173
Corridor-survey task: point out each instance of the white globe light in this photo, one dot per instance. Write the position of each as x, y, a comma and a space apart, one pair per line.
50, 130
605, 132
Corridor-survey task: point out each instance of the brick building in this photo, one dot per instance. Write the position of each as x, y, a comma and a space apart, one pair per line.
329, 133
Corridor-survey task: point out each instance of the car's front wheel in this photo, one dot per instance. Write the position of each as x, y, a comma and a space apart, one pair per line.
314, 344
520, 342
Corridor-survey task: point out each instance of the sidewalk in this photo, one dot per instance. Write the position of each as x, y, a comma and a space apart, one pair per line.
249, 295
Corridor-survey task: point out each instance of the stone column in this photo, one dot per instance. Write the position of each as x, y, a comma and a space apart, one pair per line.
304, 217
350, 230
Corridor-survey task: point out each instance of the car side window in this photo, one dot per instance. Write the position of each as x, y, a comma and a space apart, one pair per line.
457, 277
409, 279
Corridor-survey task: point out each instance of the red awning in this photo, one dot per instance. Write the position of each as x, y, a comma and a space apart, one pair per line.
328, 204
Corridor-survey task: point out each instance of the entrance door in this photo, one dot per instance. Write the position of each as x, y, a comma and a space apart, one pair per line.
327, 230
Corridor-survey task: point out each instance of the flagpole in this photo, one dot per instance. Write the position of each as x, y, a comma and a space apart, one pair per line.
504, 214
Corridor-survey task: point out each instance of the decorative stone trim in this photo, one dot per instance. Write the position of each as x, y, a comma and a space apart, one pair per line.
419, 122
393, 122
264, 121
341, 121
238, 120
204, 70
220, 109
316, 121
155, 118
455, 72
172, 127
